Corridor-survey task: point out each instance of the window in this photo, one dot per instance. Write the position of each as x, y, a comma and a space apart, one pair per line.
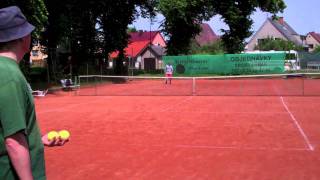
261, 41
311, 46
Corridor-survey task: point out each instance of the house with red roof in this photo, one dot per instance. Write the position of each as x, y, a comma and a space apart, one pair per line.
313, 40
206, 36
144, 51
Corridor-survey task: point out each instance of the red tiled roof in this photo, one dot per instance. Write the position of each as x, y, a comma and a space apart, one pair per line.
137, 43
133, 49
315, 36
143, 36
114, 54
206, 35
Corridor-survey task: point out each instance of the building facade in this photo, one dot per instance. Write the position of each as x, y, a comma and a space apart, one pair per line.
38, 57
313, 40
276, 29
144, 51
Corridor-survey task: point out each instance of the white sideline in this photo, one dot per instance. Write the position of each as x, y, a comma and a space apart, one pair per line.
240, 148
305, 137
208, 147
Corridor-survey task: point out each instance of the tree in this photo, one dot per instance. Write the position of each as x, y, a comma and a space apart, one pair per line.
236, 14
184, 16
114, 20
277, 45
34, 10
83, 37
36, 13
131, 29
88, 29
57, 33
213, 48
91, 29
182, 23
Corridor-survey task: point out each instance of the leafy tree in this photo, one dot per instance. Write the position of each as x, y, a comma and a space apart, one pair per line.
36, 13
83, 37
34, 10
88, 29
91, 29
277, 45
184, 16
131, 29
213, 48
113, 24
182, 23
57, 33
114, 20
236, 14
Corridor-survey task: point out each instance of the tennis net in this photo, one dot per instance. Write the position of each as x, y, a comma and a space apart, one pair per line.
307, 84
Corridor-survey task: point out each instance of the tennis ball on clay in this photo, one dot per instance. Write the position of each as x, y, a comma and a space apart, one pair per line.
52, 135
64, 134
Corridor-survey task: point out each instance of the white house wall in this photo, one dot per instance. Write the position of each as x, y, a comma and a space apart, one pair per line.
310, 40
149, 54
268, 30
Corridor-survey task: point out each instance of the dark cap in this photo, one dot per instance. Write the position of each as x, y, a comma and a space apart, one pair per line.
13, 24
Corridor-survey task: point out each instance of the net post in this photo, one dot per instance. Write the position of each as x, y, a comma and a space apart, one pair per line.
75, 83
79, 85
303, 78
96, 87
193, 86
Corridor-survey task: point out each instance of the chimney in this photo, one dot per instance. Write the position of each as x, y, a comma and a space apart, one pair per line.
281, 20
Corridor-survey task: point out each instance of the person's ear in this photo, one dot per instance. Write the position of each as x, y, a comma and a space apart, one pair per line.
26, 42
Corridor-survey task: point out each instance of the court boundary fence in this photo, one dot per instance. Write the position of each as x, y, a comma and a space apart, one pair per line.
97, 80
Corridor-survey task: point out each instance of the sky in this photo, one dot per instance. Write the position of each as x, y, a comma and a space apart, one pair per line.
302, 15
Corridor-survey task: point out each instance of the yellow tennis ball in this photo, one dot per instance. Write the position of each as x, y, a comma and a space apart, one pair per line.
64, 134
52, 135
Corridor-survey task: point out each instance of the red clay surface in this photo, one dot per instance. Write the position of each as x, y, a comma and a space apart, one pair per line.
182, 137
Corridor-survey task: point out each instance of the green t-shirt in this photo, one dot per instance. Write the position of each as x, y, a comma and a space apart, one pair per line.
17, 113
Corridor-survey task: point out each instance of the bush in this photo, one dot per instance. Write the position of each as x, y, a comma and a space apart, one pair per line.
277, 44
212, 49
317, 49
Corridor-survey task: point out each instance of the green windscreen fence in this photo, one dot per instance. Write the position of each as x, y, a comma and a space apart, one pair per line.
309, 60
266, 63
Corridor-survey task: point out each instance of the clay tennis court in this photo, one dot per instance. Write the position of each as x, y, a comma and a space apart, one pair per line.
183, 137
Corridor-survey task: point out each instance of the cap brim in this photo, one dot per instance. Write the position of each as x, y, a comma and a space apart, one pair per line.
17, 32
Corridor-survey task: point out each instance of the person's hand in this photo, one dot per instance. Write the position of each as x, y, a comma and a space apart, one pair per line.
54, 142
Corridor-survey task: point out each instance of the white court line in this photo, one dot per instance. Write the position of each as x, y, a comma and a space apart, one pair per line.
240, 148
207, 112
305, 137
177, 104
186, 146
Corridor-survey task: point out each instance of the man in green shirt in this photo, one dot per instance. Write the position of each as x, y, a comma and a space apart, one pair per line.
21, 145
